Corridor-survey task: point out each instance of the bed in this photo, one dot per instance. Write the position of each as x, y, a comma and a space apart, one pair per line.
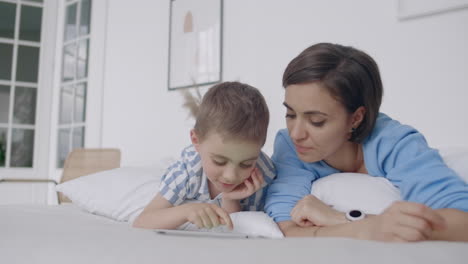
67, 234
93, 231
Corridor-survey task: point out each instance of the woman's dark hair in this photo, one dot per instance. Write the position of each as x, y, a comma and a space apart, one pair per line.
351, 76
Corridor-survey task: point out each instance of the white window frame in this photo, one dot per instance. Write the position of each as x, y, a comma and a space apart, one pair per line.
47, 105
94, 89
42, 124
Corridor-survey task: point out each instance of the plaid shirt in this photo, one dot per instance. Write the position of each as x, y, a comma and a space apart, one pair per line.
185, 181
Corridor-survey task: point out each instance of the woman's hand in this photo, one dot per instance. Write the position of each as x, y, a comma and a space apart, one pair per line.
310, 211
205, 215
403, 222
247, 188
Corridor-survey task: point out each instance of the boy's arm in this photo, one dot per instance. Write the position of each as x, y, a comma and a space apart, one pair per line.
231, 200
160, 213
231, 206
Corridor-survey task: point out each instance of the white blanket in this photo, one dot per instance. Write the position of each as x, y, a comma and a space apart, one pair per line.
66, 234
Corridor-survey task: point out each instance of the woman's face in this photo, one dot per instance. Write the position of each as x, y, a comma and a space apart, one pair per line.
318, 124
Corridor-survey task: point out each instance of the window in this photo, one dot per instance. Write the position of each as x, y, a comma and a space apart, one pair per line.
74, 78
49, 85
20, 45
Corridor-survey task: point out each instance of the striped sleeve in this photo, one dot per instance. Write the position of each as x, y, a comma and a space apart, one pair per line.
176, 183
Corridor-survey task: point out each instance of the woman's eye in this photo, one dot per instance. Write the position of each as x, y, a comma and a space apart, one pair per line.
291, 116
317, 124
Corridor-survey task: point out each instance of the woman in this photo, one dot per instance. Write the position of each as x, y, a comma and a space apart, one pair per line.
333, 95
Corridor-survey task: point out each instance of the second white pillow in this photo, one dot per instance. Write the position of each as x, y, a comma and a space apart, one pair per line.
348, 191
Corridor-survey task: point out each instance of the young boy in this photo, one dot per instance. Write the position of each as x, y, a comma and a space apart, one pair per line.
224, 170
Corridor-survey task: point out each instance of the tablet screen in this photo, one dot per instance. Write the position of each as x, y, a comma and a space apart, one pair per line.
171, 232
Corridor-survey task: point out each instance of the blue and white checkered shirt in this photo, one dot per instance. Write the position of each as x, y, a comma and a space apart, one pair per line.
185, 181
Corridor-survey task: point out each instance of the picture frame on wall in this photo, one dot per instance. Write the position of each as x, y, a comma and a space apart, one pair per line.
195, 43
413, 9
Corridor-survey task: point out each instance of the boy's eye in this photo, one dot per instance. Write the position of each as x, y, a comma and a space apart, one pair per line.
219, 163
246, 166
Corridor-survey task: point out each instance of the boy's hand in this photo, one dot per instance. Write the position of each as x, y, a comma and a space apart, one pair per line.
247, 188
205, 215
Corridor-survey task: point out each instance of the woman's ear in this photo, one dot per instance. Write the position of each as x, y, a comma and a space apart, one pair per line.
358, 116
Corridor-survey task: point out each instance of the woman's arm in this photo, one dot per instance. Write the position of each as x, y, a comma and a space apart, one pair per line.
402, 221
292, 182
457, 225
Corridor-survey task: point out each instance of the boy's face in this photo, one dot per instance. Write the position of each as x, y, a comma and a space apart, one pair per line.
226, 163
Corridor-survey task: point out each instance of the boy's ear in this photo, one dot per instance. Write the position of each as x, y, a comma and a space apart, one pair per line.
194, 139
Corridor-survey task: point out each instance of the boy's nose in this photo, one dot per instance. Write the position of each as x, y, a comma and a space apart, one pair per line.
230, 176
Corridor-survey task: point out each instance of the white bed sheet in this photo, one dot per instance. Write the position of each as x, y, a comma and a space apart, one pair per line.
66, 234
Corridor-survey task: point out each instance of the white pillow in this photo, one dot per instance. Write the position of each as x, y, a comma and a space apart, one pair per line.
120, 194
255, 224
348, 191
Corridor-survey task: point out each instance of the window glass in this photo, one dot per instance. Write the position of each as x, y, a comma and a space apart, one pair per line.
85, 17
69, 62
6, 59
22, 148
82, 71
70, 22
30, 25
80, 103
24, 111
63, 146
78, 137
3, 143
4, 103
66, 105
27, 64
7, 20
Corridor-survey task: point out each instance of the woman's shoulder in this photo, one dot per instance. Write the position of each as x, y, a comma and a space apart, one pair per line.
388, 129
390, 140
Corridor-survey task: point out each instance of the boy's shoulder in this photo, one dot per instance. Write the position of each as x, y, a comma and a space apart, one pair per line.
190, 157
189, 152
189, 162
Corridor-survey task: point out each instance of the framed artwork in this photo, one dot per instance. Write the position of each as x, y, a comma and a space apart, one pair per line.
195, 43
411, 9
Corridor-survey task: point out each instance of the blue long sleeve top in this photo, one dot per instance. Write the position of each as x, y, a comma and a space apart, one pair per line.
394, 151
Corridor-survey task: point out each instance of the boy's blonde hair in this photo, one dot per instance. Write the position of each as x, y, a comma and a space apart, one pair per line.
232, 109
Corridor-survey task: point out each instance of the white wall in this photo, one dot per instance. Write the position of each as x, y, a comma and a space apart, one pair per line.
424, 66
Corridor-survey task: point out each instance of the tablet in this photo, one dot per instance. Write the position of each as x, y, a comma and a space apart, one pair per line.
171, 232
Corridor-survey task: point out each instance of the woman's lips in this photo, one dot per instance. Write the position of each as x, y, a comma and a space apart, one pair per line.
302, 149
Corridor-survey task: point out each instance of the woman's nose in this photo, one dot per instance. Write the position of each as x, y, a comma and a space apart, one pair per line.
298, 131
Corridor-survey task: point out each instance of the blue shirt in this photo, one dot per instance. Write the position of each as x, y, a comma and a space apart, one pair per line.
185, 181
394, 151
